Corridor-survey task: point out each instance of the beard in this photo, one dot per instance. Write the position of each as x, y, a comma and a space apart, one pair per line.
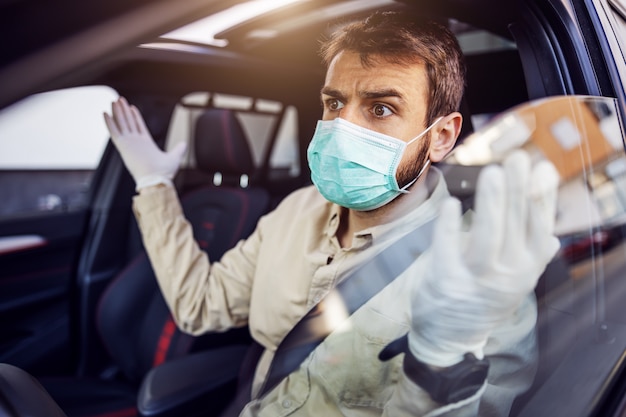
409, 171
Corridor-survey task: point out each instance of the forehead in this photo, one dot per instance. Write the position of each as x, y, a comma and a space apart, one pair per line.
347, 74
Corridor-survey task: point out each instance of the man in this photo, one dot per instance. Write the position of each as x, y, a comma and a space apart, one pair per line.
390, 96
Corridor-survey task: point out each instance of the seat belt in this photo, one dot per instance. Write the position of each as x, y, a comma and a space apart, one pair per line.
354, 290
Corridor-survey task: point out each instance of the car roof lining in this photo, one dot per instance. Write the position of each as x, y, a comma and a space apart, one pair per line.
502, 92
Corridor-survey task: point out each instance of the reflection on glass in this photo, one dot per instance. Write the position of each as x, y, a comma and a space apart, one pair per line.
582, 295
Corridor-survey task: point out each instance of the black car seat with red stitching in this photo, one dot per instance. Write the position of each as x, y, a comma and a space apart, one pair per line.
133, 320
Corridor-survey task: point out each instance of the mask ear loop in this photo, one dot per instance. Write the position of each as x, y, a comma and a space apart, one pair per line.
425, 131
427, 163
404, 190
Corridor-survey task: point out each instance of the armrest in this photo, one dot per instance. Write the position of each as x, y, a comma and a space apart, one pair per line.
201, 381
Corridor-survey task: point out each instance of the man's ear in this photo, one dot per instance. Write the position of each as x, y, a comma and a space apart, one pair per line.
444, 135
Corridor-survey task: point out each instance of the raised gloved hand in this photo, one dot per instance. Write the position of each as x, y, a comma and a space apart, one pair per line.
148, 164
472, 283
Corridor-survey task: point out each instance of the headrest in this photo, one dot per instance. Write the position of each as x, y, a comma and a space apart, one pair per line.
221, 145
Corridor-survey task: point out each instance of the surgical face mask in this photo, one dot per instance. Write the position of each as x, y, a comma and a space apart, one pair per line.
356, 167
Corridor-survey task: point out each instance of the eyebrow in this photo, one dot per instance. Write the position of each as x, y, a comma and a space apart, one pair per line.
385, 92
329, 91
374, 94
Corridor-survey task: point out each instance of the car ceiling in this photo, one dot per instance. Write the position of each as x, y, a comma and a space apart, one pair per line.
57, 41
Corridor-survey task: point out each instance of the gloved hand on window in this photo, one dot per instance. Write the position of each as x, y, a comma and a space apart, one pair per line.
473, 283
148, 164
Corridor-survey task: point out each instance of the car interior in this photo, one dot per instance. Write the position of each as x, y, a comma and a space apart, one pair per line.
246, 104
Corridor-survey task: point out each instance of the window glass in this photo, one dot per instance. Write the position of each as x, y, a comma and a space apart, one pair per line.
474, 41
285, 158
619, 8
495, 79
265, 123
614, 25
60, 129
581, 325
258, 129
50, 144
227, 101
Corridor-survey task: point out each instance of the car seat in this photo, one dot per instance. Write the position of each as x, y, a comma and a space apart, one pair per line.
21, 395
133, 319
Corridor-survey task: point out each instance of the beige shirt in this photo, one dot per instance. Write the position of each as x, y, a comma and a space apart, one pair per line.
289, 263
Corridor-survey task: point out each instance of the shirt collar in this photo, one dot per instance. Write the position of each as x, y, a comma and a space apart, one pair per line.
427, 210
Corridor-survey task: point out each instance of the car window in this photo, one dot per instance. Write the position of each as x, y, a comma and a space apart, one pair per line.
269, 126
475, 41
618, 9
612, 14
618, 24
50, 145
494, 80
580, 328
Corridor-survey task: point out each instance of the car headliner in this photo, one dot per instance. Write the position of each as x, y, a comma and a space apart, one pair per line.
54, 42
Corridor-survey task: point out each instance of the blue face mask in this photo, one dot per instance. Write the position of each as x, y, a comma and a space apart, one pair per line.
356, 167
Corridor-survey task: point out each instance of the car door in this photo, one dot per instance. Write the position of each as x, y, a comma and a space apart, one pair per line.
47, 166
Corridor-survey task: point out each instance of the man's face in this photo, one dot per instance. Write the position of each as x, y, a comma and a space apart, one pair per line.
387, 98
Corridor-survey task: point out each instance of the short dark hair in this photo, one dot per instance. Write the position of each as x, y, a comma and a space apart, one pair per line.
402, 38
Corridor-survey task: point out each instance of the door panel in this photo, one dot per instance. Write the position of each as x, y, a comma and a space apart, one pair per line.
51, 146
35, 290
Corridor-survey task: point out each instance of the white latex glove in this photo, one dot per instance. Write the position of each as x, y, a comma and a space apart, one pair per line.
474, 282
148, 164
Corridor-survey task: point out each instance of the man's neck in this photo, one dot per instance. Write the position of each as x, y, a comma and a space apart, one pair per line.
353, 221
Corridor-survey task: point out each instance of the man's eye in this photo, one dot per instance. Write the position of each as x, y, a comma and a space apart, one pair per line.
334, 104
380, 110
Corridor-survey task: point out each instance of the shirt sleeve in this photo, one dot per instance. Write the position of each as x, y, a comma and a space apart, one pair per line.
201, 297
